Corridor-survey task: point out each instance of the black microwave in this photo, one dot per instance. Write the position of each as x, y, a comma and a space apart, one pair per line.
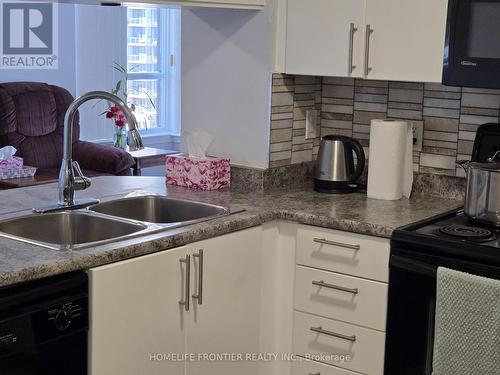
472, 47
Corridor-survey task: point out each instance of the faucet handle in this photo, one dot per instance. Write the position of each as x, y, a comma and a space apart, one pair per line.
77, 169
81, 182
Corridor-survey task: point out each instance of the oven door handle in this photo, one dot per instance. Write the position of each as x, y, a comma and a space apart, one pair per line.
413, 266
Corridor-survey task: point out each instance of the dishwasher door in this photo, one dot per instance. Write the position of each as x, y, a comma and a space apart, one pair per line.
66, 355
44, 327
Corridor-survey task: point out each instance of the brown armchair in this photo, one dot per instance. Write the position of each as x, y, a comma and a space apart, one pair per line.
32, 120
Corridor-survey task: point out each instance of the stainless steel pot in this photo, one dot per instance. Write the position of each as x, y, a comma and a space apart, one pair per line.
482, 198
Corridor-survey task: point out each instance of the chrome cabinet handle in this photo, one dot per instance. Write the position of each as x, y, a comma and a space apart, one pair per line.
199, 294
352, 30
335, 243
315, 373
336, 287
333, 334
185, 302
368, 33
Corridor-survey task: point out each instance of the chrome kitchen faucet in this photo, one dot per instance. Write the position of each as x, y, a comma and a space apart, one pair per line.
68, 183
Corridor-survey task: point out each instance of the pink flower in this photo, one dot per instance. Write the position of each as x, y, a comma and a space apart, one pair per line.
119, 123
109, 114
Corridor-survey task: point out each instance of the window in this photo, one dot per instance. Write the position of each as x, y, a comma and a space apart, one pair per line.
153, 79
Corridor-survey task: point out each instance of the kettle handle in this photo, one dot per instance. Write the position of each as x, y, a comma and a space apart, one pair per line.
360, 154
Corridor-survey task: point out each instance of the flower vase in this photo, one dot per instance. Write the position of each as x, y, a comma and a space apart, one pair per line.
120, 137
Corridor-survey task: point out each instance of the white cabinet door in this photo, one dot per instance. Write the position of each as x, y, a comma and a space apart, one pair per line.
135, 314
407, 41
320, 39
227, 320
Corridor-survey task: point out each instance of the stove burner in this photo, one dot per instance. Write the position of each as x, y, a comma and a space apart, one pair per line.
467, 233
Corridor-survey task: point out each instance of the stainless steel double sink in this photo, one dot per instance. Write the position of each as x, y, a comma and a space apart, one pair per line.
107, 222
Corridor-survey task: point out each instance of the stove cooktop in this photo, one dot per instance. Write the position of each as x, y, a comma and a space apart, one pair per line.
448, 240
456, 227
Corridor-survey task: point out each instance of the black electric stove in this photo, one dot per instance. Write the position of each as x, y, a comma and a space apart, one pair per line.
417, 250
450, 235
456, 227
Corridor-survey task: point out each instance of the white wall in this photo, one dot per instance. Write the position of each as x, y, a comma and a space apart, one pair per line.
91, 39
100, 39
226, 81
64, 76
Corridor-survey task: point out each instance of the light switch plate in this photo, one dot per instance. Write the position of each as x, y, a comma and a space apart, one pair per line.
418, 135
311, 123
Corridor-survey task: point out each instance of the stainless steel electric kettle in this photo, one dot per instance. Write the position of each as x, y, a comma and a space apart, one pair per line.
335, 171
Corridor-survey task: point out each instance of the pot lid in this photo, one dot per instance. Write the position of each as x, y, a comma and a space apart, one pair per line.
488, 166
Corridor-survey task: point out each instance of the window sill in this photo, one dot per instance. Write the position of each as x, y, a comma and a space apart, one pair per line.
170, 142
164, 141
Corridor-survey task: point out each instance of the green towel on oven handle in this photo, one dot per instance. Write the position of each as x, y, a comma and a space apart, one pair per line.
467, 324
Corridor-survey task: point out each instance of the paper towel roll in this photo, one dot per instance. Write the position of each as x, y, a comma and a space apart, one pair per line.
390, 163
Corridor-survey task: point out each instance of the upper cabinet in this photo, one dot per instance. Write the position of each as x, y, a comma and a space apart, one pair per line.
230, 4
405, 39
324, 37
373, 39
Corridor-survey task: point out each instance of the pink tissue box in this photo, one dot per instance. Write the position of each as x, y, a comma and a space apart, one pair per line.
12, 164
200, 174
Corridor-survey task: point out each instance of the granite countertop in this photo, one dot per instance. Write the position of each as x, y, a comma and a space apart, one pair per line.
21, 261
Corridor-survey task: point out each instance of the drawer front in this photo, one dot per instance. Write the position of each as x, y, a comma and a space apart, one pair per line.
306, 367
341, 297
343, 252
357, 349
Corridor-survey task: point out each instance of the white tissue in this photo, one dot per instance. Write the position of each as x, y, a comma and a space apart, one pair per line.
197, 144
7, 152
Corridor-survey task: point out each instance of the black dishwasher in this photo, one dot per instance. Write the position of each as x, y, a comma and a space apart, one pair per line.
43, 326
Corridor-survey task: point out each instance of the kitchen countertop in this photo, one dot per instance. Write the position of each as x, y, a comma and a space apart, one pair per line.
21, 261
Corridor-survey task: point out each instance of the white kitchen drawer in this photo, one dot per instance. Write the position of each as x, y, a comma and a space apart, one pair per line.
365, 346
341, 297
306, 367
343, 252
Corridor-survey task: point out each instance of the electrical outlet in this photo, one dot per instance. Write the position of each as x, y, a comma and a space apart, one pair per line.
418, 135
311, 123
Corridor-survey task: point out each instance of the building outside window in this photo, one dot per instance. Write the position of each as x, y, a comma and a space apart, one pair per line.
153, 62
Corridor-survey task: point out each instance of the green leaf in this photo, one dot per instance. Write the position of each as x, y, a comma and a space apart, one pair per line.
120, 68
148, 95
117, 88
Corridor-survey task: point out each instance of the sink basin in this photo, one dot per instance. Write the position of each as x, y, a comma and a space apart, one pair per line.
67, 229
159, 209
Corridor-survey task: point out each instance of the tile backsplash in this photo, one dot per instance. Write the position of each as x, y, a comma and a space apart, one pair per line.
450, 116
291, 98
